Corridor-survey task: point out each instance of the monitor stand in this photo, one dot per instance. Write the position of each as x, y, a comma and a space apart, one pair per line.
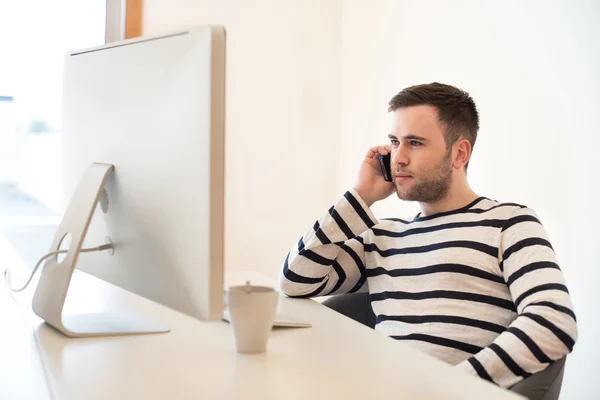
49, 297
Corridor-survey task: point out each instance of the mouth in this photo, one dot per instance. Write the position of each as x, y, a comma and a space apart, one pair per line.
402, 177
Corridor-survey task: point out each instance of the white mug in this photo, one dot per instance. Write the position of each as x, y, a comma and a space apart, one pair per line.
252, 313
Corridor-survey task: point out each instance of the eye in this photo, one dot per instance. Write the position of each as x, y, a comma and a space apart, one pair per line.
395, 142
415, 143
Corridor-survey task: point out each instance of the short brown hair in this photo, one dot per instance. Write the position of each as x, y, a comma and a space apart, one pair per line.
456, 109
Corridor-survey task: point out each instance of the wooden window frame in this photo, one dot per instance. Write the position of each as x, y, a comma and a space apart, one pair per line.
123, 19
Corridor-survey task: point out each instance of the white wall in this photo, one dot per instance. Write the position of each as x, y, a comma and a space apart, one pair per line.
283, 107
533, 70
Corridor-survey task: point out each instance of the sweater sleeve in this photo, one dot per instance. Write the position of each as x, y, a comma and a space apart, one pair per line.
329, 258
545, 329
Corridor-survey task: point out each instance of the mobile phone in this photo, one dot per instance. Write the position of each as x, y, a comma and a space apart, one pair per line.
384, 164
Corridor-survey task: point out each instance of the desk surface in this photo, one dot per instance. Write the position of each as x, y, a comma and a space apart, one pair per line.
21, 372
336, 358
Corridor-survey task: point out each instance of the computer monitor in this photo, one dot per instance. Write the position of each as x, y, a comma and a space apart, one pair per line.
154, 108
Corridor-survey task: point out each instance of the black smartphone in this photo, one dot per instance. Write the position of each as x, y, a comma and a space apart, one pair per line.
385, 165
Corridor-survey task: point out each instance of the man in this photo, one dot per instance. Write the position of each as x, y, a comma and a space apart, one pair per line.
469, 280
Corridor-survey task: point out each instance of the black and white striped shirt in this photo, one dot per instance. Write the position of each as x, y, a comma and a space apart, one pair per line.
477, 287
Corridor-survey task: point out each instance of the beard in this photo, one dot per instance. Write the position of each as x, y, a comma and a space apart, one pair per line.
430, 186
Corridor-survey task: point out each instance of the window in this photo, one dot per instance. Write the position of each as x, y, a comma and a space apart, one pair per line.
34, 36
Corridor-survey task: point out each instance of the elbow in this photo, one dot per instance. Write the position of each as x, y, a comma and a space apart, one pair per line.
285, 286
292, 288
299, 284
288, 287
568, 324
554, 328
574, 331
567, 331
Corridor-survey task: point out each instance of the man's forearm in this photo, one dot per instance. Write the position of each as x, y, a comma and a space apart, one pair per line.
329, 258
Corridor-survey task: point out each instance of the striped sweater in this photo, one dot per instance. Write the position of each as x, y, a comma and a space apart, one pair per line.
477, 287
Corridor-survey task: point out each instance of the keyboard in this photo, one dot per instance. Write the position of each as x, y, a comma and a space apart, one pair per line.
281, 320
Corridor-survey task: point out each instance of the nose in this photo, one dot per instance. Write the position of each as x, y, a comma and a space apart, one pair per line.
400, 156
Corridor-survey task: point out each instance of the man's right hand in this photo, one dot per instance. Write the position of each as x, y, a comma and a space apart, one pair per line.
371, 186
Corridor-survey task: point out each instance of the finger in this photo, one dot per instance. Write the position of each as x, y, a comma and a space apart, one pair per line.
373, 152
376, 151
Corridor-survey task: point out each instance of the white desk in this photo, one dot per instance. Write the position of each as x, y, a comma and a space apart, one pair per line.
336, 358
21, 372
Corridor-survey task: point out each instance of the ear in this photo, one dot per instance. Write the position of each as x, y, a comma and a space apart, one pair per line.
461, 153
